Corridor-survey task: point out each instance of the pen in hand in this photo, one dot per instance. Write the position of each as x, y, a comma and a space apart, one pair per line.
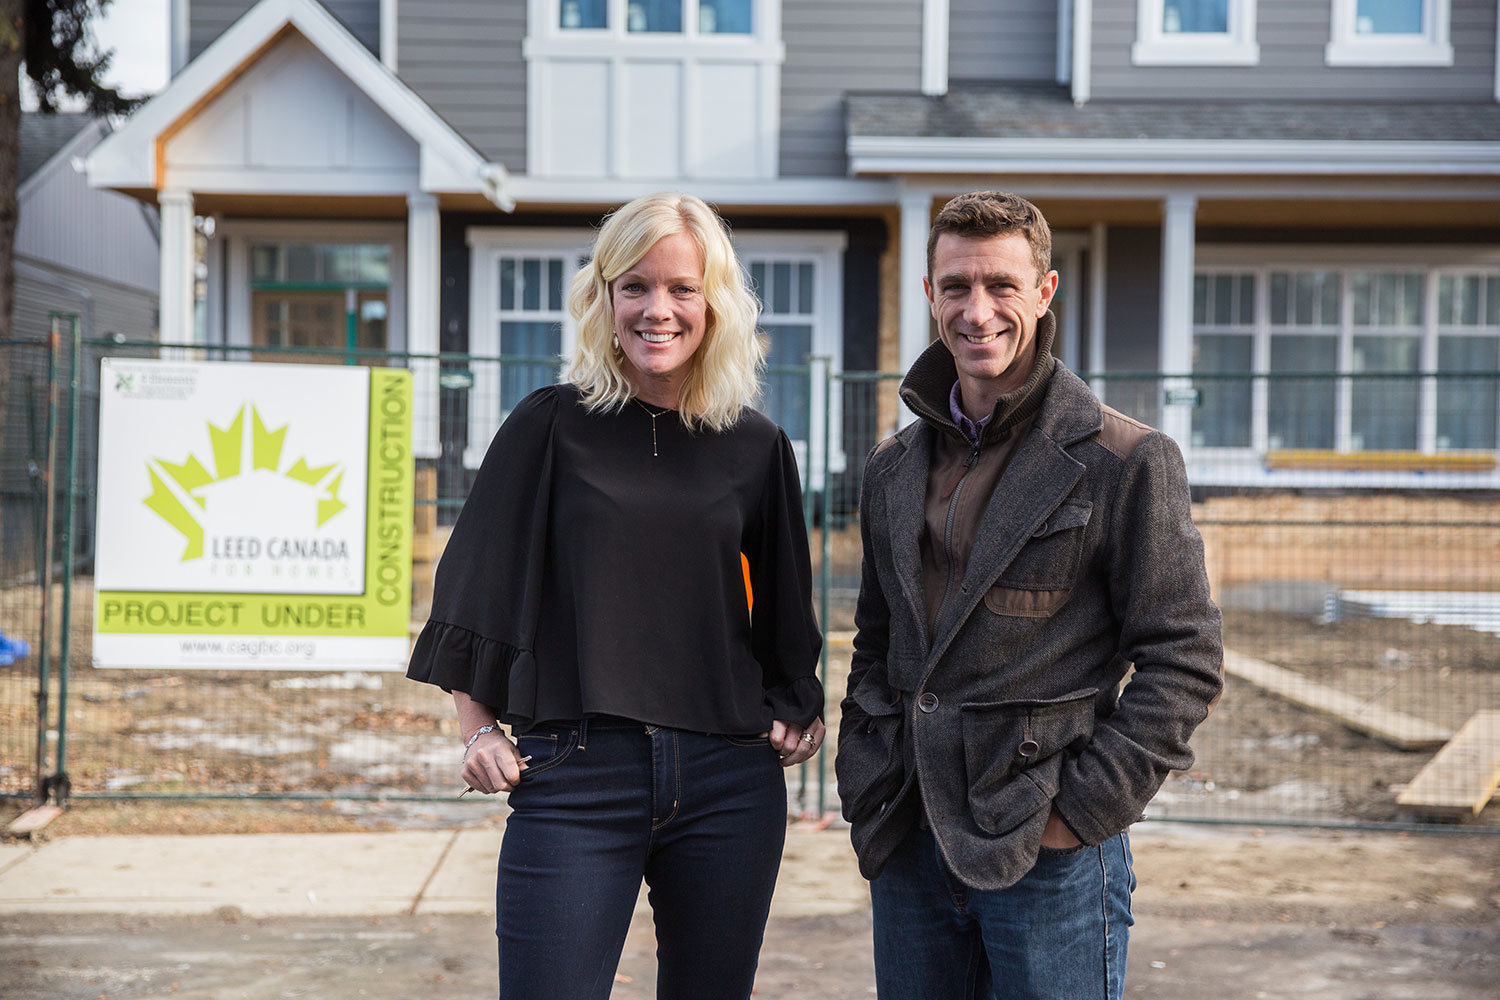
470, 788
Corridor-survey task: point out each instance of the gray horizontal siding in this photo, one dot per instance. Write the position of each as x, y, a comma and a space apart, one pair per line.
208, 19
1002, 40
463, 57
65, 223
1292, 35
108, 308
834, 46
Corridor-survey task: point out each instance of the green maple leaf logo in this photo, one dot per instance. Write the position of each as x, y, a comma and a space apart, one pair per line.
180, 492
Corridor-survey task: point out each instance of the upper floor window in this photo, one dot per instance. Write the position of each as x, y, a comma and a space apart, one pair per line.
664, 90
1390, 33
1195, 33
702, 17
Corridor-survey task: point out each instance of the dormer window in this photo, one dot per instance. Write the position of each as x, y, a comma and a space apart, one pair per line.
1390, 33
1195, 33
665, 90
690, 17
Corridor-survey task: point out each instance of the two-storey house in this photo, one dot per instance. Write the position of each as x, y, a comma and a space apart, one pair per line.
1282, 187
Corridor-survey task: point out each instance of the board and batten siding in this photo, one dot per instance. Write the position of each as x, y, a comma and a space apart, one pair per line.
832, 47
463, 57
1292, 35
208, 19
1002, 40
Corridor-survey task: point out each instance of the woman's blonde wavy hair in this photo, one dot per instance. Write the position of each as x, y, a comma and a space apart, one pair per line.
725, 375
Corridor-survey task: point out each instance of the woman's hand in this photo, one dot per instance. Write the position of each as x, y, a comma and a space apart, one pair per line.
794, 744
493, 764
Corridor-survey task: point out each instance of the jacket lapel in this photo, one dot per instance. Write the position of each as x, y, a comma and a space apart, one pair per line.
904, 495
1035, 483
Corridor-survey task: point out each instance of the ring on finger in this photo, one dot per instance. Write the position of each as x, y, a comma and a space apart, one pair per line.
807, 738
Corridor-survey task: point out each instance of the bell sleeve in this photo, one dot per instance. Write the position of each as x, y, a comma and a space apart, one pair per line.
784, 633
480, 636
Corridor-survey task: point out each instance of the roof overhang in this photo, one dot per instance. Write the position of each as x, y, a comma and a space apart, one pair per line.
905, 155
131, 159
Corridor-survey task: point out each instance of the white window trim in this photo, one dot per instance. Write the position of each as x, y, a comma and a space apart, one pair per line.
229, 318
826, 250
1235, 47
1430, 48
1245, 466
487, 244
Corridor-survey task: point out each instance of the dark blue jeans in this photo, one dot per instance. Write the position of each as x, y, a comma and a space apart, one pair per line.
606, 803
1058, 934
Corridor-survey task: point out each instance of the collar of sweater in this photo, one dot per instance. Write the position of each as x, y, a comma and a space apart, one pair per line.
927, 385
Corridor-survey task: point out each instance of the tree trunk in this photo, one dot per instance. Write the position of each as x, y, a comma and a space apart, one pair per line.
11, 27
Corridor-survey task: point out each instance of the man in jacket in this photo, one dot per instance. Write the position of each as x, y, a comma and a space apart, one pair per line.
1024, 546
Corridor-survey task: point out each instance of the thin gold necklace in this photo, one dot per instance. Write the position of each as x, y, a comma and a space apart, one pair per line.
654, 415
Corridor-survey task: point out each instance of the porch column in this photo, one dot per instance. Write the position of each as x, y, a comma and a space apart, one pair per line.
177, 326
423, 266
1098, 273
916, 317
1176, 352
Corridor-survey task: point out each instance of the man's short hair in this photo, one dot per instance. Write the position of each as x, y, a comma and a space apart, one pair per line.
981, 214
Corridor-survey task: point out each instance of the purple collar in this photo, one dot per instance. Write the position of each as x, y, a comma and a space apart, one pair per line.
970, 428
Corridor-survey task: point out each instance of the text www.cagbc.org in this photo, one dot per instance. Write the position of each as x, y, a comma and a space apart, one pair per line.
247, 647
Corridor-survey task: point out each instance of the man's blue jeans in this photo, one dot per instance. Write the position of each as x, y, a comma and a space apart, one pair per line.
603, 805
1058, 934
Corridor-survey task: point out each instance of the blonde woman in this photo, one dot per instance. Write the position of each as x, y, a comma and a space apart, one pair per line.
592, 598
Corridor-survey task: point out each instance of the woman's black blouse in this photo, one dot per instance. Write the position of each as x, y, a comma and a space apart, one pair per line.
586, 575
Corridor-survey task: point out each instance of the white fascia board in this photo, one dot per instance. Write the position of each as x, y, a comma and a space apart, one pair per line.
796, 191
1094, 187
448, 163
368, 182
908, 155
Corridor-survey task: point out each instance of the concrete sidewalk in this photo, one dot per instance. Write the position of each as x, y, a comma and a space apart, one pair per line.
338, 874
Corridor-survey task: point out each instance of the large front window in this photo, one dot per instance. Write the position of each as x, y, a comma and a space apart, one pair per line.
1355, 359
519, 328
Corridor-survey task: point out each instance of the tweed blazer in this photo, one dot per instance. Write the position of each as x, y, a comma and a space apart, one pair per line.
1086, 563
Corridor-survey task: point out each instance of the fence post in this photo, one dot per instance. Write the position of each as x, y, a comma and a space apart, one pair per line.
59, 781
49, 484
825, 574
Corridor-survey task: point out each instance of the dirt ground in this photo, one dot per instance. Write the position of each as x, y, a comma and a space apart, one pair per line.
1235, 914
1259, 756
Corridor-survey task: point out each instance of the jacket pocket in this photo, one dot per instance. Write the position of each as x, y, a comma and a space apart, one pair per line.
869, 765
1050, 559
1014, 752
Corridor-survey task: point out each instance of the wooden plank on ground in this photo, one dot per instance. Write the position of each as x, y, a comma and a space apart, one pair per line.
1405, 732
32, 820
1464, 775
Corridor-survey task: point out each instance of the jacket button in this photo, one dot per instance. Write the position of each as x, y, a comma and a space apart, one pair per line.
1028, 748
928, 702
1040, 530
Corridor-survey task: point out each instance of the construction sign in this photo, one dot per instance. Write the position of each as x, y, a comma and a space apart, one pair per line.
253, 516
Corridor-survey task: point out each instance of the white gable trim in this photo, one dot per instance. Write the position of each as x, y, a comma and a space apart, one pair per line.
447, 163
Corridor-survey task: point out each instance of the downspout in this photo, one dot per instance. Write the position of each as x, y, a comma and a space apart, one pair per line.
388, 34
1083, 49
178, 28
935, 47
